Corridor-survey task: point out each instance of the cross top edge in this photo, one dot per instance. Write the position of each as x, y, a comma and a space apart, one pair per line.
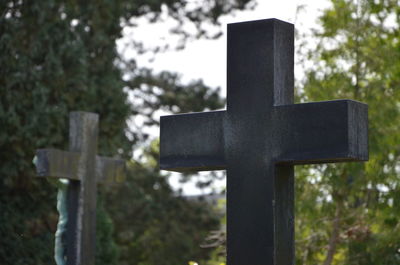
266, 20
88, 115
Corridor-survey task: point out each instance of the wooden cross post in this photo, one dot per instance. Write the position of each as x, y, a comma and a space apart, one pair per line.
84, 170
259, 138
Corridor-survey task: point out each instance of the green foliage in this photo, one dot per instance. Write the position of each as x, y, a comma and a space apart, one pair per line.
107, 251
154, 225
27, 224
59, 56
349, 213
48, 69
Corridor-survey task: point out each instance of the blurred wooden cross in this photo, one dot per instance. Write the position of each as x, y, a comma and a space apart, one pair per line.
84, 169
259, 138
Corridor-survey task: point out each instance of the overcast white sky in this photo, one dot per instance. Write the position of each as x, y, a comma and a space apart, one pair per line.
206, 59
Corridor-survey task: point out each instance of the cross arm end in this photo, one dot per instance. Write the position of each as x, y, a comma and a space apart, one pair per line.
324, 132
57, 163
192, 142
110, 170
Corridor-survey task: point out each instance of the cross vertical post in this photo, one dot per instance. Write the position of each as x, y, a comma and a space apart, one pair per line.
259, 139
260, 196
84, 169
81, 194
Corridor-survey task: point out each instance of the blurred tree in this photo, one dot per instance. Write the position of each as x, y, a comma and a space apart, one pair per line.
58, 56
154, 225
350, 213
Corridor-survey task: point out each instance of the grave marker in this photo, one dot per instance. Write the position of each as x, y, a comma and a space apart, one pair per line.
259, 138
84, 169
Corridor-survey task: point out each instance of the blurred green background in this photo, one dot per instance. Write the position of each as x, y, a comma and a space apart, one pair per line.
60, 56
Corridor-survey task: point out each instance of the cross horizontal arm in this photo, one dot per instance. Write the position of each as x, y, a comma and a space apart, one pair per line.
323, 132
192, 142
57, 163
64, 164
109, 170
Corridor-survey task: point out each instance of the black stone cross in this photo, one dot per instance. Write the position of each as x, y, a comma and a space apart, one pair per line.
84, 169
259, 138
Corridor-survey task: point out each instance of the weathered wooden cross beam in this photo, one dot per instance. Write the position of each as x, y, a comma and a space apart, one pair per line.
259, 138
84, 169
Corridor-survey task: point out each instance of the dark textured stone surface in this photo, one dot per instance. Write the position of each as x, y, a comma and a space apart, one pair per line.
259, 138
64, 164
84, 169
192, 141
